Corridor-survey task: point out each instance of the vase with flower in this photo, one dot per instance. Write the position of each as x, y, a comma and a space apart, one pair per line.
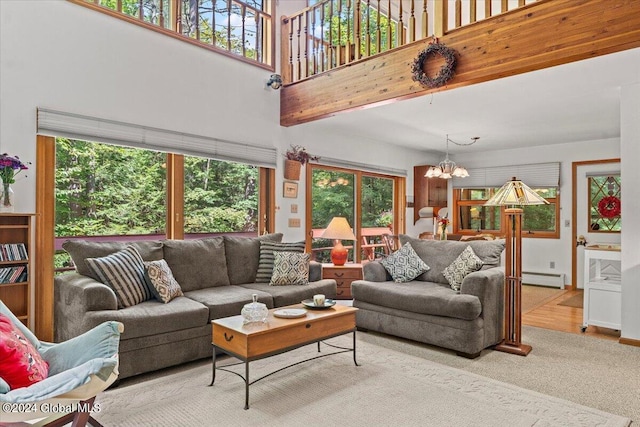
443, 222
10, 166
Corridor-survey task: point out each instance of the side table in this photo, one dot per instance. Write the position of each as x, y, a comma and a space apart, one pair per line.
343, 275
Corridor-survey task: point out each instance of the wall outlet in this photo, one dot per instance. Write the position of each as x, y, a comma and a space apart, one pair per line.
294, 208
567, 223
552, 264
294, 222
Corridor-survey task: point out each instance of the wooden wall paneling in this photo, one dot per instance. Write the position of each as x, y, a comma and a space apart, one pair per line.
44, 236
511, 43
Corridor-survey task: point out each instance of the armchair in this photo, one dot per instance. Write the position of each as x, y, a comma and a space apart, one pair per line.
79, 369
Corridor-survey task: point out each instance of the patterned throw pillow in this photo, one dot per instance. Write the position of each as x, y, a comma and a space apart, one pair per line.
164, 285
123, 272
290, 268
404, 265
21, 364
467, 262
267, 250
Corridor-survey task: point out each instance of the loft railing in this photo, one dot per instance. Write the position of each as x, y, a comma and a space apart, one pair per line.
238, 28
335, 33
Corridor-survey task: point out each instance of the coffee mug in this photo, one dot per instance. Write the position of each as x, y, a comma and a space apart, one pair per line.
318, 300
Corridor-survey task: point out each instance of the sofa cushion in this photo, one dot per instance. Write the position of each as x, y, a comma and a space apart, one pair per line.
123, 272
290, 268
467, 262
289, 295
79, 250
198, 263
438, 254
418, 297
267, 249
163, 285
224, 301
243, 255
405, 264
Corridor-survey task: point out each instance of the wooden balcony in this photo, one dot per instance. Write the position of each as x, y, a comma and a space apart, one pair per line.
326, 77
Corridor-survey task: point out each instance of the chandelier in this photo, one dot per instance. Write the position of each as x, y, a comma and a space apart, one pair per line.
447, 168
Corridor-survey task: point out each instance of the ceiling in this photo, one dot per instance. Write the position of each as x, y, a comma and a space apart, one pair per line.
579, 101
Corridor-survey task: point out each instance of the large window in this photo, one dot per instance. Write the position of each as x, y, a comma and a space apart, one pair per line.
471, 216
367, 200
241, 28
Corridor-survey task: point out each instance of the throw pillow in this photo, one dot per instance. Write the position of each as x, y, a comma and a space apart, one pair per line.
123, 272
290, 268
267, 251
163, 285
21, 364
404, 265
467, 262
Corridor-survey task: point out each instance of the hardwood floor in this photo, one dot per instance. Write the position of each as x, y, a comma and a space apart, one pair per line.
556, 317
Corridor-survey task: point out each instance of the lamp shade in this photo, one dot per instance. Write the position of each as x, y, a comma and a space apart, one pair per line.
515, 193
338, 229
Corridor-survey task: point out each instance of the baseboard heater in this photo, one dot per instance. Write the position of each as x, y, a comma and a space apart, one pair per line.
543, 279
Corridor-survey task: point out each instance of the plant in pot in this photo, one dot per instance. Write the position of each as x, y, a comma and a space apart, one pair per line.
296, 157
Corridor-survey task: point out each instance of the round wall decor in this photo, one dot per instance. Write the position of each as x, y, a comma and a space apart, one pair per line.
609, 207
446, 71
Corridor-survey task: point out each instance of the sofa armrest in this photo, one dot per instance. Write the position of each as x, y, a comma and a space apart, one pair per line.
315, 271
488, 286
74, 296
374, 271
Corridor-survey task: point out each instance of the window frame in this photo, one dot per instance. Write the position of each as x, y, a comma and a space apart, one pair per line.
456, 223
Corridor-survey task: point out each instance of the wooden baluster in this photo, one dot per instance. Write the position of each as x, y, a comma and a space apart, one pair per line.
213, 23
315, 41
286, 55
487, 9
244, 44
356, 28
298, 63
412, 23
339, 46
349, 50
306, 43
229, 25
389, 23
473, 11
441, 18
521, 3
400, 31
504, 6
332, 58
378, 30
322, 46
425, 20
458, 13
367, 47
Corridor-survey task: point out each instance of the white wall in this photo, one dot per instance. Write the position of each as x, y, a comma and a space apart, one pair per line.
538, 253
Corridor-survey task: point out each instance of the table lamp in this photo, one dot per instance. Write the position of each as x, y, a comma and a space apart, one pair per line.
338, 230
514, 193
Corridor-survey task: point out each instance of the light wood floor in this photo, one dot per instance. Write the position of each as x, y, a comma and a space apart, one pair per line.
556, 317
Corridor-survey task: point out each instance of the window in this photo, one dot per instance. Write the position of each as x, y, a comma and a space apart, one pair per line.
242, 28
604, 204
471, 216
367, 200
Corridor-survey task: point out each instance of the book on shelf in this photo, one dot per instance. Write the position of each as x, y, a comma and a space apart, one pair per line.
15, 274
13, 252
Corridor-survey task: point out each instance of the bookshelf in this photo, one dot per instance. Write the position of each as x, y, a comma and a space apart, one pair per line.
15, 262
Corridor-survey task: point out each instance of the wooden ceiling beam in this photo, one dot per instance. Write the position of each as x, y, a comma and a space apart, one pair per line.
540, 35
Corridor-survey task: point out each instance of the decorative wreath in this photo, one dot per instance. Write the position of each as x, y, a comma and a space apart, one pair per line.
446, 71
609, 207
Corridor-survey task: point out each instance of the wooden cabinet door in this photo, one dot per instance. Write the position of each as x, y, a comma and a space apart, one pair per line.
427, 192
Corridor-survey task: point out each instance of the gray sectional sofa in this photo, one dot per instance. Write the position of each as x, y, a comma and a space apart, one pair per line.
217, 276
427, 309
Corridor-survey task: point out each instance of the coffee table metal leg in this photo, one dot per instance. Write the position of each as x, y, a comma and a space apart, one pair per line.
246, 385
318, 346
354, 349
213, 372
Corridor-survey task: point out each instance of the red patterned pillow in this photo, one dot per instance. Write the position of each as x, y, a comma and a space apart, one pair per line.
21, 364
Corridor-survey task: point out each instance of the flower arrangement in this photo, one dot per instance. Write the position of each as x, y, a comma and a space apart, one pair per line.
300, 154
443, 222
609, 207
10, 167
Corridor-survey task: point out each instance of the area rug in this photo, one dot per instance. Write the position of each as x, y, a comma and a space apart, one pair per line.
534, 296
389, 388
575, 301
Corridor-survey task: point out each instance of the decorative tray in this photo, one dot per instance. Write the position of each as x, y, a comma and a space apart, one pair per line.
310, 304
290, 313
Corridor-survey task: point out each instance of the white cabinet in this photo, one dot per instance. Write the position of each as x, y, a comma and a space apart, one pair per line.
602, 296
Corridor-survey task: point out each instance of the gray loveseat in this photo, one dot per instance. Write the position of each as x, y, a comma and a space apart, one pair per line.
427, 309
217, 276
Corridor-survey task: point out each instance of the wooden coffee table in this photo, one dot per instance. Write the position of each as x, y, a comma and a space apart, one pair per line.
255, 341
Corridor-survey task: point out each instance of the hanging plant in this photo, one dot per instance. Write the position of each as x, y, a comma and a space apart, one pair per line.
446, 71
609, 207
